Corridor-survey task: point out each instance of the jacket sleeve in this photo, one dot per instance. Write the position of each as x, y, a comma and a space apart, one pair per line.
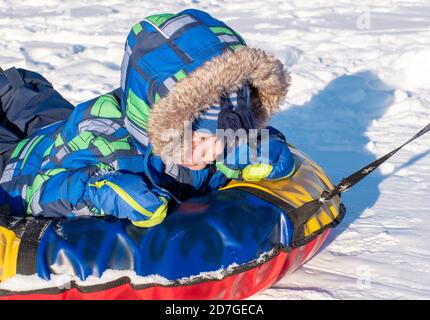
61, 194
126, 195
89, 192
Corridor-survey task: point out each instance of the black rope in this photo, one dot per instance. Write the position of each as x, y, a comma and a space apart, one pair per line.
353, 179
310, 208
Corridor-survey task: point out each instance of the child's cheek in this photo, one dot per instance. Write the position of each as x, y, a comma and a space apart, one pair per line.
219, 147
210, 149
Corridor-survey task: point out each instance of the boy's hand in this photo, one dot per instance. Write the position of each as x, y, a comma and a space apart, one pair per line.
128, 196
277, 163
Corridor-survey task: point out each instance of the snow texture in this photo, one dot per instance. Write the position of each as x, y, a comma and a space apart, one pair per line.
360, 87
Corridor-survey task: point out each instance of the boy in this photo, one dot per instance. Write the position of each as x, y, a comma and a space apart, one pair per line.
112, 155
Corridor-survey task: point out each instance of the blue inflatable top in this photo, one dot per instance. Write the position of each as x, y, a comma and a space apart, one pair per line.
204, 234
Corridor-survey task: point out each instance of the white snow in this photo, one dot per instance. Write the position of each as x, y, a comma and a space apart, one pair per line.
360, 87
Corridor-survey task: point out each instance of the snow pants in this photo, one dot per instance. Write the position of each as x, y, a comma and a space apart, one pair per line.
28, 102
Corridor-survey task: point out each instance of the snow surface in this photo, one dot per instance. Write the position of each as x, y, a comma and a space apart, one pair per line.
360, 87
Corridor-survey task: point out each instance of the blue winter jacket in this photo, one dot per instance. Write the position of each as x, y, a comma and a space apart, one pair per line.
105, 157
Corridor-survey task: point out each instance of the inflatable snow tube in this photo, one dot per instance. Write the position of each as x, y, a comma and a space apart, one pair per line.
230, 244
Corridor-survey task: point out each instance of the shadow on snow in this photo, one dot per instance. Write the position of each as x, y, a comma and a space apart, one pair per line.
331, 128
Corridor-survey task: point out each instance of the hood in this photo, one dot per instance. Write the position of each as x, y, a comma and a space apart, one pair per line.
176, 65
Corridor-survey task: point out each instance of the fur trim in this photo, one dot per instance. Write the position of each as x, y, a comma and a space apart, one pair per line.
193, 94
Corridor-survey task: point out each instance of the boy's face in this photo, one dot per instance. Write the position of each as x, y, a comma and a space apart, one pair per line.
205, 149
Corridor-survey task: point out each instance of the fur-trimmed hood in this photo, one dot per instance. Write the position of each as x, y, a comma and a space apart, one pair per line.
175, 66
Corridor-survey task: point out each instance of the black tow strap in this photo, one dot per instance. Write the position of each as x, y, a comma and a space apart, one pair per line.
30, 230
27, 254
309, 209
